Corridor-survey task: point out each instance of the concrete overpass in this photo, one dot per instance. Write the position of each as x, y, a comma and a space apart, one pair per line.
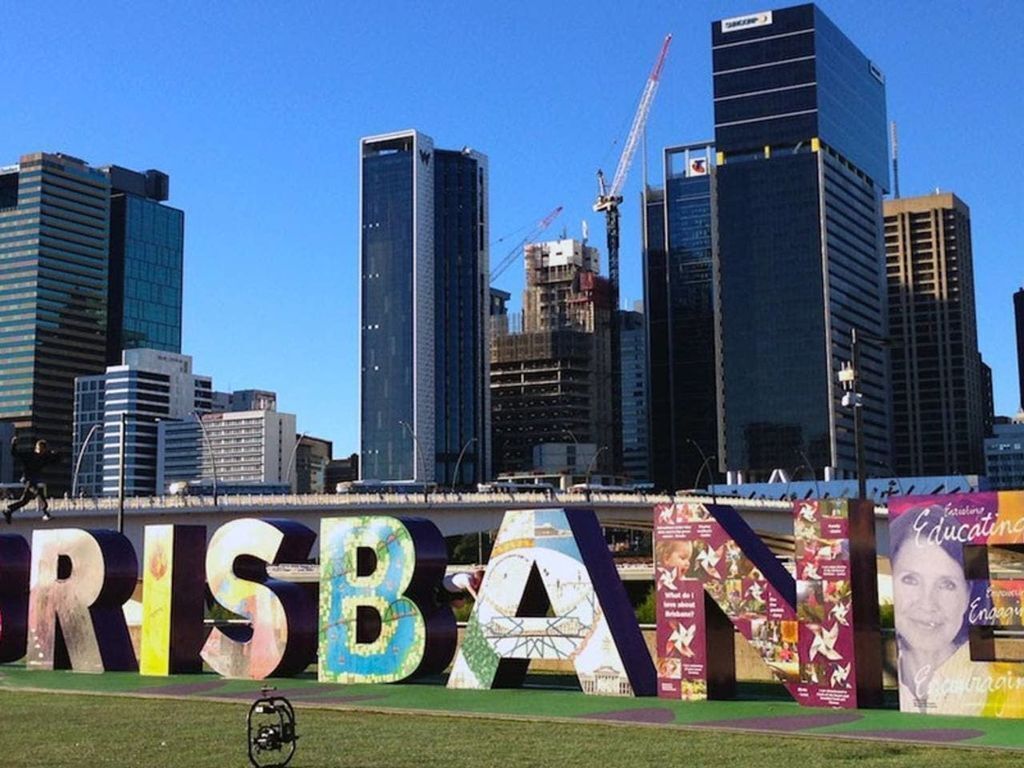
453, 513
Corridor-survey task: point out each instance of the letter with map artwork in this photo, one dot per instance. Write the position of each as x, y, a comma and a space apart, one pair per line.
379, 617
553, 559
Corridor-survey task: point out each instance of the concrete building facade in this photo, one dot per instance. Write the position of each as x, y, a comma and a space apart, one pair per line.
235, 448
312, 455
939, 402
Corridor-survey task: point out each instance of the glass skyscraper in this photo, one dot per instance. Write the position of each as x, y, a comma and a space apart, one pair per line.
54, 212
679, 304
633, 377
90, 264
800, 131
424, 302
1018, 317
146, 264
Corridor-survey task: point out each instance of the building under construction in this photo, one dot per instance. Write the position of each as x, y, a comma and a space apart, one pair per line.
551, 381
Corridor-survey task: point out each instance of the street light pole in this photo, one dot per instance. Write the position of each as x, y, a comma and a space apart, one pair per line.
120, 473
575, 454
209, 448
706, 463
455, 474
78, 461
291, 459
593, 461
858, 416
418, 458
849, 377
814, 476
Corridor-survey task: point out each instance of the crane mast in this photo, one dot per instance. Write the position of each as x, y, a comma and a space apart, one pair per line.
609, 198
608, 201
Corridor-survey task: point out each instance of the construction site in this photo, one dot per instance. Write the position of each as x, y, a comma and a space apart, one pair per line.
551, 379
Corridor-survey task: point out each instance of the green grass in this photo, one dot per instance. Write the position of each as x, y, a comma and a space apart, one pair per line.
63, 729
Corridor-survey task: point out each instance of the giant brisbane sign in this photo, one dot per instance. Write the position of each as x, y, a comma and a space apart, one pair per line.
550, 592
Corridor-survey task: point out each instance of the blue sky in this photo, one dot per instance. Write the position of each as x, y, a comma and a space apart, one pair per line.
256, 112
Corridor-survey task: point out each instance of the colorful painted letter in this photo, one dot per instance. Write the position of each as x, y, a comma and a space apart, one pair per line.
173, 589
79, 584
14, 571
557, 559
955, 572
281, 638
379, 618
708, 561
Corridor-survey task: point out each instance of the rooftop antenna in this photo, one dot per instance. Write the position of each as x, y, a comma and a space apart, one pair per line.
895, 162
586, 231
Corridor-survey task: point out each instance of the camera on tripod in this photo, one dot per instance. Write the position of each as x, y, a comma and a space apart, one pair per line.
271, 727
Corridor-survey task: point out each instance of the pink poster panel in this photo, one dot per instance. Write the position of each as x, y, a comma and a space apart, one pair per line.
803, 628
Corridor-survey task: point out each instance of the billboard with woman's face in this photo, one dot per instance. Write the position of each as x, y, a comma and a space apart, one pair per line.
950, 600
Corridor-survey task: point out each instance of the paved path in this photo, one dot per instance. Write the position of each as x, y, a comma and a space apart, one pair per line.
760, 709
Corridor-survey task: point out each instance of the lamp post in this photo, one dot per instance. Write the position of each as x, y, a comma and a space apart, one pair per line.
418, 457
291, 460
593, 462
78, 461
209, 448
706, 464
120, 472
462, 453
809, 468
416, 449
849, 377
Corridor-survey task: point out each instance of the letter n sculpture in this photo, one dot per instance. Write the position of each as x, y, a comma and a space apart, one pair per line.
818, 632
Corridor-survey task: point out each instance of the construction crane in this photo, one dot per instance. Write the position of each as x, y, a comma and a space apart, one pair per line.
608, 200
509, 258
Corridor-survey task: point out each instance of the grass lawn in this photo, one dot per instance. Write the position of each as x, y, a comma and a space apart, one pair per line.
61, 729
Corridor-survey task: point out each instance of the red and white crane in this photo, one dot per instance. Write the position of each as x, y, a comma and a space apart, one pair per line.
509, 258
609, 198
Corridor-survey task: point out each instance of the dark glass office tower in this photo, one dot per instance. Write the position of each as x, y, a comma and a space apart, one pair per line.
461, 318
54, 212
146, 264
424, 305
800, 130
1018, 314
679, 303
633, 376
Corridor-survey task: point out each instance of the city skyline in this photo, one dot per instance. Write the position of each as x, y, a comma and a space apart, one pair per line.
257, 121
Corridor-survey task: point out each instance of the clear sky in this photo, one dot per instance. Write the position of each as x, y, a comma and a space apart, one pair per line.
256, 112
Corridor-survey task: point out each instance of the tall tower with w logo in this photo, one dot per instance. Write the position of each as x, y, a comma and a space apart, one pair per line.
424, 299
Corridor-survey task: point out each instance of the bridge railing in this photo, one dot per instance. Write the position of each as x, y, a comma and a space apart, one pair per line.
391, 499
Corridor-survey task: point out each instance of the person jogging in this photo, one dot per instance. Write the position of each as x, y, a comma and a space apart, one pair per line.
33, 462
